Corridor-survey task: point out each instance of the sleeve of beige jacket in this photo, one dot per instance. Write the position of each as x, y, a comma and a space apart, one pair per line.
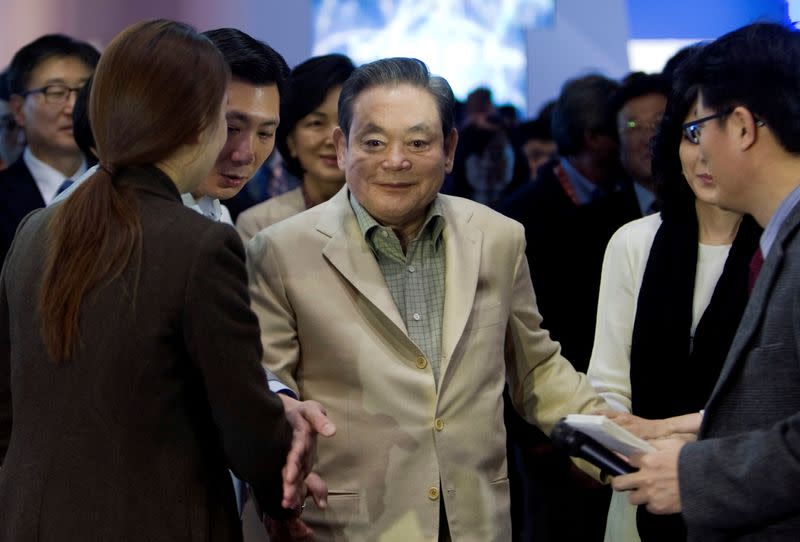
544, 386
247, 225
275, 314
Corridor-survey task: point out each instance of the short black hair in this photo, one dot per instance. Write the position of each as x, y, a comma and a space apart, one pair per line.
309, 84
5, 95
81, 128
251, 60
755, 67
638, 84
532, 129
44, 48
583, 106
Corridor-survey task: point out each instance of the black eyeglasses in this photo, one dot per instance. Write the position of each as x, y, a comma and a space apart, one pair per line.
54, 94
693, 129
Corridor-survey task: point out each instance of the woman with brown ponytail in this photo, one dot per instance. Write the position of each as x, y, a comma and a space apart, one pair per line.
129, 356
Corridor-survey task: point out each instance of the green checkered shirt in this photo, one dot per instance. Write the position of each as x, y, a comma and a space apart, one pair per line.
415, 279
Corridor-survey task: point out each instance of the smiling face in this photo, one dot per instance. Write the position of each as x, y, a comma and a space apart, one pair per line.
311, 142
396, 156
252, 116
48, 126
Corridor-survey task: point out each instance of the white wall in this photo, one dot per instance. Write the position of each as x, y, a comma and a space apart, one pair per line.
588, 36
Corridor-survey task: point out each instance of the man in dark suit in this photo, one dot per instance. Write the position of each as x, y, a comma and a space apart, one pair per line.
740, 479
638, 106
569, 212
43, 80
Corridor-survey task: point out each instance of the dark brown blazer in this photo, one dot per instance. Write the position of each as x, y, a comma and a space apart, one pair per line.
132, 440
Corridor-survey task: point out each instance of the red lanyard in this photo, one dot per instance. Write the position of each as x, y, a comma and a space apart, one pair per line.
562, 177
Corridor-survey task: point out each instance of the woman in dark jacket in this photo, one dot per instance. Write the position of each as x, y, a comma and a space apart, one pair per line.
129, 357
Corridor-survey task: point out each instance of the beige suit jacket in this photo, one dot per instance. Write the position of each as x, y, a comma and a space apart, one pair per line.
332, 332
267, 213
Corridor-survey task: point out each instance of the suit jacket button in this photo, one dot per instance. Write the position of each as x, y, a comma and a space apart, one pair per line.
433, 493
439, 424
422, 363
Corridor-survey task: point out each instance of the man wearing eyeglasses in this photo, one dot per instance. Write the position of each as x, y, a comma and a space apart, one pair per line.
43, 80
639, 105
740, 479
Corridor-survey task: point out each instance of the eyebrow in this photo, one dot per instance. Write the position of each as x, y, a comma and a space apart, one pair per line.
62, 81
421, 127
242, 117
372, 127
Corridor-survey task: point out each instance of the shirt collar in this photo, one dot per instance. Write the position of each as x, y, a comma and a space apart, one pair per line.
368, 225
47, 178
777, 220
585, 190
645, 197
206, 206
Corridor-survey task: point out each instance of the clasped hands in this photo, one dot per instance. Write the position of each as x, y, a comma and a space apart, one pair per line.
307, 418
655, 484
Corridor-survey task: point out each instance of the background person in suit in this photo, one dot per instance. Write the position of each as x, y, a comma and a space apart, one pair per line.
43, 80
638, 106
12, 139
305, 140
405, 312
129, 369
739, 480
569, 212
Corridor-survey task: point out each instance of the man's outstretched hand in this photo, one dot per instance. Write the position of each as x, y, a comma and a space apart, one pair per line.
307, 418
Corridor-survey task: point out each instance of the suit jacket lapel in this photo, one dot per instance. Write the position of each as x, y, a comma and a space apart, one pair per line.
24, 189
759, 298
462, 263
349, 253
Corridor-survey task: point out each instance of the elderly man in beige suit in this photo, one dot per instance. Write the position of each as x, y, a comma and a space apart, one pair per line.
405, 312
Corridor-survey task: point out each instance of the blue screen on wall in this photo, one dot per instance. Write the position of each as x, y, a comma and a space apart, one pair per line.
471, 43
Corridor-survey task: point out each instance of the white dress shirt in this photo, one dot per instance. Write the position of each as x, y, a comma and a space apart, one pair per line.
47, 178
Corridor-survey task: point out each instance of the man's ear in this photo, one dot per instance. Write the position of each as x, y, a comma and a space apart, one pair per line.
340, 143
450, 143
15, 103
745, 126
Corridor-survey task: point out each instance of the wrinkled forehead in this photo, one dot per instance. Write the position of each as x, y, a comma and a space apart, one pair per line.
401, 104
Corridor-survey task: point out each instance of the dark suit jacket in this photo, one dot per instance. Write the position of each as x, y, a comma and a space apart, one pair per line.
741, 480
565, 247
133, 438
19, 195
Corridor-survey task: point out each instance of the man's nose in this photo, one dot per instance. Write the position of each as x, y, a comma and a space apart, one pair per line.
243, 150
396, 158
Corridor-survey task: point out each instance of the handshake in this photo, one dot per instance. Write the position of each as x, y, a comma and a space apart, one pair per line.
307, 418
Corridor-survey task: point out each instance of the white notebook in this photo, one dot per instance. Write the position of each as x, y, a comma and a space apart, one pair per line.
609, 434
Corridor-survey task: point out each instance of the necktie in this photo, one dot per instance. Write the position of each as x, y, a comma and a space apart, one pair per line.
755, 269
66, 184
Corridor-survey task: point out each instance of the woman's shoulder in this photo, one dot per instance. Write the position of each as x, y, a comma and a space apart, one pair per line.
637, 234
